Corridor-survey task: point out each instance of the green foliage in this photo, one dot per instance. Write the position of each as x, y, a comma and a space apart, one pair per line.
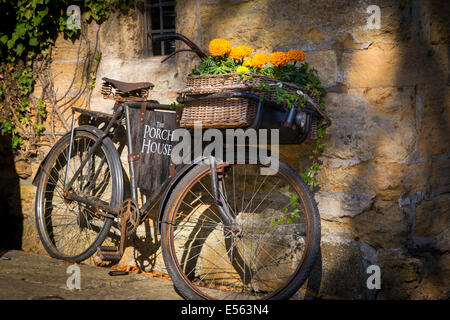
215, 65
176, 105
288, 216
28, 29
302, 76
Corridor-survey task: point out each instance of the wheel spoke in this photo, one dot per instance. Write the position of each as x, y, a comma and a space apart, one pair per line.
71, 228
253, 262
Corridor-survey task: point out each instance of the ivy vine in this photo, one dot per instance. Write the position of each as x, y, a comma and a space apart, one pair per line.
28, 31
308, 79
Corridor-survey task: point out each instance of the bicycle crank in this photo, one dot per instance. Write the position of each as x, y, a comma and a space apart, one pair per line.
129, 221
129, 215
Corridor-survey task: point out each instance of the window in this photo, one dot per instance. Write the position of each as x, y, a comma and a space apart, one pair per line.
159, 19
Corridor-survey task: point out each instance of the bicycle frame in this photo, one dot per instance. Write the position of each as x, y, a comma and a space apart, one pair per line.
122, 111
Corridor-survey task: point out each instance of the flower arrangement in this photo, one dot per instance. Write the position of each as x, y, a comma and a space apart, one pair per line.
287, 67
224, 58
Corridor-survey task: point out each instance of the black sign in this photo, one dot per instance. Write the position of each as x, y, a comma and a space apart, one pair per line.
152, 138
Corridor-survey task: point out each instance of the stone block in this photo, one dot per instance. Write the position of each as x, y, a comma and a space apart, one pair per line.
400, 274
383, 226
434, 107
440, 173
122, 36
325, 62
384, 65
342, 274
363, 130
337, 204
432, 216
67, 78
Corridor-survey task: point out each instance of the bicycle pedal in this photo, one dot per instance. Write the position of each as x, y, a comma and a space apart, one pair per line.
109, 253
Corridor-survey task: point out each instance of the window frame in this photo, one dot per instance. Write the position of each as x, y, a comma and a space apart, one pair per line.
148, 27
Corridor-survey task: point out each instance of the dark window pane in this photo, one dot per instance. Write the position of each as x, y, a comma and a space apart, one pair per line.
156, 23
169, 17
156, 48
169, 47
160, 16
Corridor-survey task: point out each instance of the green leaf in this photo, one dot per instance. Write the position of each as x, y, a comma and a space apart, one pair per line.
19, 49
10, 43
28, 14
43, 13
33, 42
21, 29
86, 15
4, 39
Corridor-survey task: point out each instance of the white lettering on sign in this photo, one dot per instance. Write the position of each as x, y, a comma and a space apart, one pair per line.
154, 138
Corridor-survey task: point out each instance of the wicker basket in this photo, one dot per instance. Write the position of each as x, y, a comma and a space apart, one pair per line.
214, 83
231, 112
217, 112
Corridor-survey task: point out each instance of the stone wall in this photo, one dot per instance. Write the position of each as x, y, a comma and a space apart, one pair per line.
383, 190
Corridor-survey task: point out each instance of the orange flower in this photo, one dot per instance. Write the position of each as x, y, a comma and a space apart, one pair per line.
247, 51
240, 52
258, 60
278, 58
218, 47
296, 55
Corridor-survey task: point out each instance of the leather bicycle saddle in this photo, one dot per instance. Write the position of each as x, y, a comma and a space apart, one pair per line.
126, 87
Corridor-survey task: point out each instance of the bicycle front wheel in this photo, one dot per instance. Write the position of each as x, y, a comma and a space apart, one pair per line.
269, 258
71, 230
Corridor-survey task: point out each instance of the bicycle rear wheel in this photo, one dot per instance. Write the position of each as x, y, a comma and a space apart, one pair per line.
71, 230
270, 258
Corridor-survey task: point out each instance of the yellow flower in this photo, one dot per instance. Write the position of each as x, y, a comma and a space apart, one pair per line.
296, 55
247, 63
258, 60
242, 69
278, 58
240, 52
218, 47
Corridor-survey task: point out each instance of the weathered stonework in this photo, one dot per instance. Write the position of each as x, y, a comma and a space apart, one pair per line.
383, 190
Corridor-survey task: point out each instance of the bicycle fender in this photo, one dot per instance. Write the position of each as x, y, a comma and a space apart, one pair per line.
171, 186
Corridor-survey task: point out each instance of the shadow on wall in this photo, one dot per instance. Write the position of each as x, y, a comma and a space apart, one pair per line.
426, 52
11, 217
401, 113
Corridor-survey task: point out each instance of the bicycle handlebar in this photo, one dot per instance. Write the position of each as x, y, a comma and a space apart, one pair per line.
177, 36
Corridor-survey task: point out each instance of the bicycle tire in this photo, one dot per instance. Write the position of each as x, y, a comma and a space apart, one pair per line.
186, 287
44, 191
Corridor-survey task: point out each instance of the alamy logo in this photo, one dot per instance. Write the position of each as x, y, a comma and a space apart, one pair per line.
374, 280
74, 280
241, 146
74, 21
374, 20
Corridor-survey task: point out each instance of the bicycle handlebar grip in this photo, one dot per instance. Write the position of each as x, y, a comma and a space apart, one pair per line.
290, 117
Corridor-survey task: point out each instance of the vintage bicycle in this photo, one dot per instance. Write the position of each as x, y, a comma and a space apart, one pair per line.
227, 232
